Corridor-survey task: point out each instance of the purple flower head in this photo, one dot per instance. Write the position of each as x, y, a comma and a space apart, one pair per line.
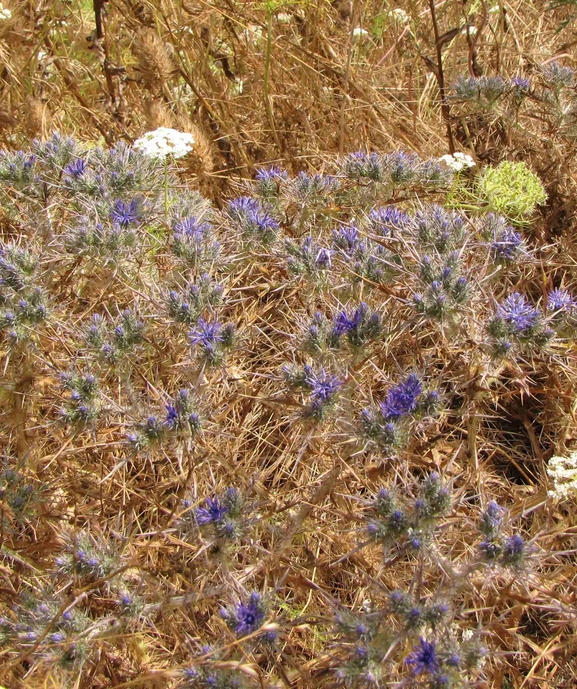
424, 659
342, 324
76, 168
192, 228
520, 83
361, 164
558, 75
492, 519
520, 314
125, 213
506, 244
253, 218
561, 301
323, 386
242, 206
346, 239
453, 660
387, 220
213, 512
323, 259
402, 398
307, 186
171, 416
490, 549
206, 334
402, 166
271, 175
514, 550
248, 616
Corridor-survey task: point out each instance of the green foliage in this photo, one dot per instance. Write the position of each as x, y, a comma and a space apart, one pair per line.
512, 189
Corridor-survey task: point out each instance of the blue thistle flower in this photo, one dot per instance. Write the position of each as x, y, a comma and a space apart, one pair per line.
206, 334
269, 180
492, 520
76, 168
388, 220
323, 386
519, 314
514, 551
212, 513
506, 244
403, 398
402, 167
346, 239
266, 174
367, 165
560, 301
171, 416
253, 219
521, 85
192, 228
323, 259
125, 213
249, 615
240, 207
558, 76
246, 616
424, 659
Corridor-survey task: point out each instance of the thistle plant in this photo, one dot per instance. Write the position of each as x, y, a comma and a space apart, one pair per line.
350, 343
82, 404
253, 220
223, 517
182, 420
386, 426
193, 242
408, 527
212, 340
517, 321
322, 387
248, 615
67, 644
186, 306
19, 496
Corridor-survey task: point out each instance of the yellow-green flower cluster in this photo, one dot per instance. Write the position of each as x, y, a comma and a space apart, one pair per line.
512, 189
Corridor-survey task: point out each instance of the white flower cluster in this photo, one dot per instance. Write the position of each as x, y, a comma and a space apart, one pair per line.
458, 161
359, 33
164, 142
5, 13
253, 34
400, 16
563, 471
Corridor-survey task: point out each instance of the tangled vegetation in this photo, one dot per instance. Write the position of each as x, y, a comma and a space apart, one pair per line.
287, 404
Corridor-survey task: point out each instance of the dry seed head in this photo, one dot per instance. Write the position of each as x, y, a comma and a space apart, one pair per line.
35, 116
157, 114
154, 61
200, 159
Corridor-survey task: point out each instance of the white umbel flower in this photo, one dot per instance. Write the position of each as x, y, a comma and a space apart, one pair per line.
400, 16
360, 34
165, 142
5, 13
458, 161
563, 471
